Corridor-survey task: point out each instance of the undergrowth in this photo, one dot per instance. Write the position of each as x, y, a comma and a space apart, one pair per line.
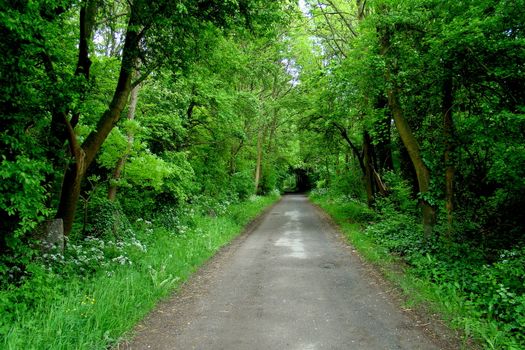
484, 299
95, 292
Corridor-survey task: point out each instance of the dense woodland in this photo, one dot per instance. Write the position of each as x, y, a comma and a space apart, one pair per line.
134, 124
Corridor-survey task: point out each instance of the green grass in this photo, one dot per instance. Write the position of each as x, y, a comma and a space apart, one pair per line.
442, 299
95, 313
350, 217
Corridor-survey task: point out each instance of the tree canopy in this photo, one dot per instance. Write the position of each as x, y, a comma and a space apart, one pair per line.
116, 110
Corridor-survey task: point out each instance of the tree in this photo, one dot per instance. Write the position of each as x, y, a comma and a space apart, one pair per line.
61, 62
145, 27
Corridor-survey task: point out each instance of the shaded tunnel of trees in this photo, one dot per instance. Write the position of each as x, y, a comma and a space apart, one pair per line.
113, 113
303, 180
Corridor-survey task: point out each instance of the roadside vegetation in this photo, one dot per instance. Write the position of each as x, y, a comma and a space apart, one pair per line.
96, 290
415, 127
134, 130
482, 299
137, 138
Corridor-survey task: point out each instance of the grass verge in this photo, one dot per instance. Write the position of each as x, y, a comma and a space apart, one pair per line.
420, 293
94, 312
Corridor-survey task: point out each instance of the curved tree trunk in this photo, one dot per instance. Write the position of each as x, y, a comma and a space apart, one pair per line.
412, 146
410, 142
369, 169
85, 154
258, 164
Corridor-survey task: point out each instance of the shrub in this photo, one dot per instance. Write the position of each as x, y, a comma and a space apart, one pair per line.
400, 234
105, 218
400, 194
242, 184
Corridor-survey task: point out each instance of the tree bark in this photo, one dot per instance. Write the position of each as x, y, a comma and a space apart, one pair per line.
360, 9
369, 171
88, 12
85, 154
258, 164
412, 146
353, 147
410, 142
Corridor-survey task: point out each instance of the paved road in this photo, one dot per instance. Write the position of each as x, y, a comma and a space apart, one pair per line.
290, 284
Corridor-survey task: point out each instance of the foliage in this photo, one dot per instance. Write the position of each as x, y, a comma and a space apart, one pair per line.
447, 73
104, 219
348, 208
485, 300
23, 197
96, 291
203, 89
416, 107
162, 177
399, 197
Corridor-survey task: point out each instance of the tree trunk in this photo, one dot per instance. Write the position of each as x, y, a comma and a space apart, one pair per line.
117, 172
84, 155
360, 9
412, 146
410, 142
368, 173
407, 170
448, 131
259, 161
119, 167
353, 147
88, 13
70, 191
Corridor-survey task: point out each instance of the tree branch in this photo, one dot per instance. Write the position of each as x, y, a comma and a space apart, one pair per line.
348, 24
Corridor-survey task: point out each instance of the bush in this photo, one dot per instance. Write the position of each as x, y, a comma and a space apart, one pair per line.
497, 292
400, 194
485, 297
105, 218
269, 178
349, 183
400, 234
242, 184
23, 205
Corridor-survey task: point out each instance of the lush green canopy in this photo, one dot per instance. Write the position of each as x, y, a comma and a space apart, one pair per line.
116, 110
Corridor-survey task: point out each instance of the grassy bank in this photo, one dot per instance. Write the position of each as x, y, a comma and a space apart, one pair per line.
483, 301
121, 285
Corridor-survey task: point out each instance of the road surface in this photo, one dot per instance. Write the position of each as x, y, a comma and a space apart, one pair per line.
291, 283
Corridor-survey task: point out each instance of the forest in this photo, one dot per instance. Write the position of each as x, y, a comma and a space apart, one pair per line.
138, 137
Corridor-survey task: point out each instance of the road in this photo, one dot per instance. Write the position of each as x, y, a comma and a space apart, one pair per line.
292, 283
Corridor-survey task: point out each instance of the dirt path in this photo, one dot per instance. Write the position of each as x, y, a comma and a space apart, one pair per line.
289, 284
